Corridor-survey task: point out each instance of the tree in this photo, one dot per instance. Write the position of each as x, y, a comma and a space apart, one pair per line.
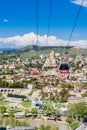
42, 127
16, 85
64, 94
54, 128
2, 110
78, 110
1, 97
30, 93
85, 85
11, 113
70, 86
26, 112
3, 84
34, 110
20, 123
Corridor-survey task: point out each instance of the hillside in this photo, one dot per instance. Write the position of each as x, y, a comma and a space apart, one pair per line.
31, 51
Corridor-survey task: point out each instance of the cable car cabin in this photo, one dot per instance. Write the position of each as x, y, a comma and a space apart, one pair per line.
64, 68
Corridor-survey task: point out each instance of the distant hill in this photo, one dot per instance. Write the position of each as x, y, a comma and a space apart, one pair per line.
46, 49
40, 49
31, 51
75, 51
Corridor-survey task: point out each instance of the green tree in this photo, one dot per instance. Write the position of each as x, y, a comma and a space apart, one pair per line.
26, 112
1, 97
78, 110
16, 85
34, 110
20, 123
85, 85
42, 127
54, 128
64, 94
47, 127
11, 113
2, 110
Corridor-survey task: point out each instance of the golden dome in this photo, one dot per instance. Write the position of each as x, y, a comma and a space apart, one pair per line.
52, 54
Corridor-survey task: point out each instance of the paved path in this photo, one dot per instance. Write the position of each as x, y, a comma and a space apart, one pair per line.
38, 122
82, 127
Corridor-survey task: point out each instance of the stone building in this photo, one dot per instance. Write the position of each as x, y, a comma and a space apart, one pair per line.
51, 61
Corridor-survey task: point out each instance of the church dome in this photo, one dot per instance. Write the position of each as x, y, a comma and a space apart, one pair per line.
52, 54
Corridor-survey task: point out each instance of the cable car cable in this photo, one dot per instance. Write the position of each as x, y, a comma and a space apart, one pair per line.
49, 20
70, 37
73, 28
37, 30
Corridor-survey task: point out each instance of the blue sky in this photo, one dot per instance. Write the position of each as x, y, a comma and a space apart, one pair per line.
18, 17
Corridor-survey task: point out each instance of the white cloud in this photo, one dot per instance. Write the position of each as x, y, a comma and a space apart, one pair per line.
31, 39
79, 2
5, 20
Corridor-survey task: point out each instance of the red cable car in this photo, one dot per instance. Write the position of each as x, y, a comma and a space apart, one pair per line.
64, 68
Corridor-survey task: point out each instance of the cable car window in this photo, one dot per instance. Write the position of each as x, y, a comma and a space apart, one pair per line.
64, 67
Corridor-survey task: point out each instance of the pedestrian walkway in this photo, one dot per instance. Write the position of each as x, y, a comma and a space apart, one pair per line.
82, 126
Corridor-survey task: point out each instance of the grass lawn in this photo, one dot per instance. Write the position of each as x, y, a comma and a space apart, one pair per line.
26, 104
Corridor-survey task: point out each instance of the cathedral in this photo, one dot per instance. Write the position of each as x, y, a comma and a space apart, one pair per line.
51, 61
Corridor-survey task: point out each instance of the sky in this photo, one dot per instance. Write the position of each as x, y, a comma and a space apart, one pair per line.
18, 23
